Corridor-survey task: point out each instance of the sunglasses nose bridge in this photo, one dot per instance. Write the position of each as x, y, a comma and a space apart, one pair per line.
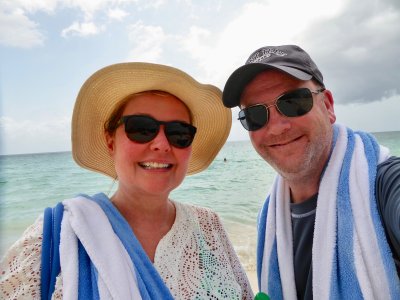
275, 103
160, 141
275, 115
269, 109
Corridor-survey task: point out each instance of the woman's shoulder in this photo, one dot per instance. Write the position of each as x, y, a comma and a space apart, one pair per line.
195, 210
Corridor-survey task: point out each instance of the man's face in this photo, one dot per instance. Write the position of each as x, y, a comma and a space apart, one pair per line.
298, 146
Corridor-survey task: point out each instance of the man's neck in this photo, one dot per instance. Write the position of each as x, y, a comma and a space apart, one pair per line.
304, 191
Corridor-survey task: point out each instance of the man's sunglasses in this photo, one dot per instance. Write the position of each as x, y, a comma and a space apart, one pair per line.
295, 103
143, 129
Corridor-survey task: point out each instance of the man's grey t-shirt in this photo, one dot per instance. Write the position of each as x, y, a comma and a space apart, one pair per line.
303, 219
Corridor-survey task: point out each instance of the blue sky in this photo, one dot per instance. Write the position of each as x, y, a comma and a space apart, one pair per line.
48, 48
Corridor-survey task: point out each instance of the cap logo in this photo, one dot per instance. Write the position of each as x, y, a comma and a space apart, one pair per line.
262, 54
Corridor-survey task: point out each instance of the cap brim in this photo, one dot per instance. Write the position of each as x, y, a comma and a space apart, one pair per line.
242, 76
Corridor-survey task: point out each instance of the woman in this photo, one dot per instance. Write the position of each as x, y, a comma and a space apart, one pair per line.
147, 126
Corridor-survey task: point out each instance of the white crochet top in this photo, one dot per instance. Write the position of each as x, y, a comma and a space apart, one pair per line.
195, 259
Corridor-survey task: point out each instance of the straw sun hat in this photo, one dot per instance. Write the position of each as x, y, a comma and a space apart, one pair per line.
105, 90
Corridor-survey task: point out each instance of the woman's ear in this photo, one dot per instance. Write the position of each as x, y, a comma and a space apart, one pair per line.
110, 142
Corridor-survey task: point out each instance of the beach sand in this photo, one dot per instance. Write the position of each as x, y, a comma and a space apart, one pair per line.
252, 275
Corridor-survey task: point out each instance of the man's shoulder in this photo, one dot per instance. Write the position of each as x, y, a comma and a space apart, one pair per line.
391, 164
388, 176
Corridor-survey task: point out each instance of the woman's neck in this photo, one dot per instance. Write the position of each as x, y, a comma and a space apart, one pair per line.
149, 217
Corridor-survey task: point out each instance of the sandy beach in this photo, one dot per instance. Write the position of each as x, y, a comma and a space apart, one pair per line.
252, 275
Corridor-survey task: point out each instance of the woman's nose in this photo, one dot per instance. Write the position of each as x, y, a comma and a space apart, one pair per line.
160, 142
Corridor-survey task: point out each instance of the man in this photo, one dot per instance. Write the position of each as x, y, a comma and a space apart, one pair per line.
330, 227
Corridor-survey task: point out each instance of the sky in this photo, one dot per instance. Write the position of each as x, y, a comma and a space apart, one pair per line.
48, 48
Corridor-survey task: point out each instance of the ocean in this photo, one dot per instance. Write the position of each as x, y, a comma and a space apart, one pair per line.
235, 189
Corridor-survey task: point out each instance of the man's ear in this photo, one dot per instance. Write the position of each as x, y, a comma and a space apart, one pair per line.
329, 104
110, 142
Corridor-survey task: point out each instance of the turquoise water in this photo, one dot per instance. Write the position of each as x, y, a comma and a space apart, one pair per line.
235, 189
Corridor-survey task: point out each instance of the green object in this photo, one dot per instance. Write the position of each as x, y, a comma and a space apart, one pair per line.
262, 296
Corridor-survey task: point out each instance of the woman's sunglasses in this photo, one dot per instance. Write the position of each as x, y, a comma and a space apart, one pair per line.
295, 103
143, 129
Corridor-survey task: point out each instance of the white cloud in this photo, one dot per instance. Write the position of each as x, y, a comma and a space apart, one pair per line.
81, 29
256, 25
117, 14
356, 53
22, 136
383, 20
88, 7
148, 41
152, 4
32, 6
196, 45
16, 30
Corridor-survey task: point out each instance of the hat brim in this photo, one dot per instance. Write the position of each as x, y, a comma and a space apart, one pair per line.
242, 76
106, 88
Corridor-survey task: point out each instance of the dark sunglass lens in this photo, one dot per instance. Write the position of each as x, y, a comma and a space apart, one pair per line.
296, 103
179, 134
254, 117
141, 129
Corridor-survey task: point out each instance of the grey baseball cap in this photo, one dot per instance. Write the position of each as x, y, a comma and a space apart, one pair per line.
290, 59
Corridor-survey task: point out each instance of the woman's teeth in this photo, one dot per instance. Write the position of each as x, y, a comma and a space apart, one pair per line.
154, 165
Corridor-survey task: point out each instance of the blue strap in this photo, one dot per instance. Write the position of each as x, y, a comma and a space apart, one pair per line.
87, 282
262, 217
50, 258
46, 253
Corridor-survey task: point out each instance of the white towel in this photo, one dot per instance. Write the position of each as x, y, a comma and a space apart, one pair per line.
86, 221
